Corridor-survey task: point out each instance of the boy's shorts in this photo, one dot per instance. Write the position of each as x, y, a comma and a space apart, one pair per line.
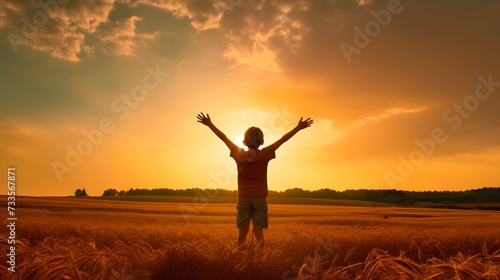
254, 209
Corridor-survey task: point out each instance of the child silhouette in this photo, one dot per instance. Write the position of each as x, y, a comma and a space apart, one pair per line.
252, 175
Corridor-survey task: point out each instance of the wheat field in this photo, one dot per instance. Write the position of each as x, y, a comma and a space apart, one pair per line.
67, 238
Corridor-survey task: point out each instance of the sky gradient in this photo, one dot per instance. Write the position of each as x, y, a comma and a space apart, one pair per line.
104, 94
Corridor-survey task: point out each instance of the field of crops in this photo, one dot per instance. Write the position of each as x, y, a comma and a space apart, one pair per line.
68, 238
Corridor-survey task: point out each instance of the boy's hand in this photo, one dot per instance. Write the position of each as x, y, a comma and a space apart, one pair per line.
204, 119
304, 124
301, 125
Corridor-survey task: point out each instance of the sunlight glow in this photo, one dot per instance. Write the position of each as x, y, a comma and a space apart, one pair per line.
239, 142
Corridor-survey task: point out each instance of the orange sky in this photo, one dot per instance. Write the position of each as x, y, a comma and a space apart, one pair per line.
105, 94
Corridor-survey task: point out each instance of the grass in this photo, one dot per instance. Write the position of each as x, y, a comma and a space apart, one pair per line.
65, 238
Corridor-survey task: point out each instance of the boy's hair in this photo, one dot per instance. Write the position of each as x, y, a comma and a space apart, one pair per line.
253, 137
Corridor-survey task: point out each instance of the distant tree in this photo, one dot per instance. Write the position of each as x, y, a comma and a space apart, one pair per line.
130, 192
273, 193
110, 192
409, 203
295, 192
407, 198
78, 192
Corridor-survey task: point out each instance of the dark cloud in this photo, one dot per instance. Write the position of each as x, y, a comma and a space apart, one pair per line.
122, 37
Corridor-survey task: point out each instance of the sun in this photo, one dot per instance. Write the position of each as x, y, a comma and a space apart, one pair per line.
239, 142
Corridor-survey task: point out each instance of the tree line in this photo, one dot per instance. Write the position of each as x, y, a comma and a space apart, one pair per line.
408, 198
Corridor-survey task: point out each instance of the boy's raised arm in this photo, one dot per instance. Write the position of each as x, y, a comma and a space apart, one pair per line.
301, 125
208, 122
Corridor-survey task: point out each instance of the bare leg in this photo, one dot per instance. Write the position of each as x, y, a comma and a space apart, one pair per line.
242, 236
259, 235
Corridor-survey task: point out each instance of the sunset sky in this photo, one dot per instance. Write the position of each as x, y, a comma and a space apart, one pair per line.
104, 94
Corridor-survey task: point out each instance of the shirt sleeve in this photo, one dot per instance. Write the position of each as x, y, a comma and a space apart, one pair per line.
234, 150
271, 152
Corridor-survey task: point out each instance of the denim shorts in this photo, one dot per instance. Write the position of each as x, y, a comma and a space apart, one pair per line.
254, 209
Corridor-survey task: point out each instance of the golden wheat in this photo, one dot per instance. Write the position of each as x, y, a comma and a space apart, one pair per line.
349, 243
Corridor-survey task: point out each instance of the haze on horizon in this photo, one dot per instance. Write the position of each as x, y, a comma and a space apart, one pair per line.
104, 93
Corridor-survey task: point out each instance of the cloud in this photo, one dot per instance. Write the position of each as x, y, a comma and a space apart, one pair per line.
14, 135
62, 30
394, 132
123, 39
256, 32
13, 151
364, 2
67, 38
330, 131
202, 14
9, 9
3, 16
58, 29
19, 129
384, 115
88, 15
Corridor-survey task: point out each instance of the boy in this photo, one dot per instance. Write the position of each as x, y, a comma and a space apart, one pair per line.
252, 175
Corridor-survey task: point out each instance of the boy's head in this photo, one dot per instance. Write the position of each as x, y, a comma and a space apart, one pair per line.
253, 137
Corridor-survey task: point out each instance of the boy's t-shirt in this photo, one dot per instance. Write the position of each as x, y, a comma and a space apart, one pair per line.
252, 170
